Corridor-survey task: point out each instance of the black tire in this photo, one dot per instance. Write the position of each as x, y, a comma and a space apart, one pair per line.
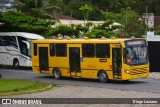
16, 63
57, 73
103, 77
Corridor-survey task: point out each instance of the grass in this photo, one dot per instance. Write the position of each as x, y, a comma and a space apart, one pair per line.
10, 86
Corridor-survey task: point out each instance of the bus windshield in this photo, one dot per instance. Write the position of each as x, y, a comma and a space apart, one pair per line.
25, 48
29, 42
135, 55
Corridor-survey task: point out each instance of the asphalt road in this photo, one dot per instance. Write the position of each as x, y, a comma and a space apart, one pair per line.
141, 85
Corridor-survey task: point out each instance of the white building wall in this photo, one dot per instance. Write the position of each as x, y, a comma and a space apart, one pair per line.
149, 19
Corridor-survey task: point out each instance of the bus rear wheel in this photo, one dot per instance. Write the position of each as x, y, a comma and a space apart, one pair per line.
57, 73
16, 63
103, 77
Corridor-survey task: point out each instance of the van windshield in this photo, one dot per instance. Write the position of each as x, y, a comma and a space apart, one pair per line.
135, 55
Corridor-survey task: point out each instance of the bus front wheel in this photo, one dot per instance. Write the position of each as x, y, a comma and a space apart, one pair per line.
57, 73
16, 63
103, 77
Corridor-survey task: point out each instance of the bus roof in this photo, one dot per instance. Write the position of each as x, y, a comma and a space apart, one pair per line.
80, 40
22, 34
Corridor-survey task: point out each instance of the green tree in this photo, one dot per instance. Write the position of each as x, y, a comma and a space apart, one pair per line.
85, 10
16, 21
152, 6
106, 29
72, 9
63, 30
37, 8
134, 26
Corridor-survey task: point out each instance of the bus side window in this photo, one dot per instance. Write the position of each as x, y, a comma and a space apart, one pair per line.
11, 41
102, 50
1, 41
61, 50
35, 49
88, 50
52, 50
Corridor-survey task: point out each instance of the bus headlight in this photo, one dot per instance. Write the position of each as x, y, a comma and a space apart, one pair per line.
127, 71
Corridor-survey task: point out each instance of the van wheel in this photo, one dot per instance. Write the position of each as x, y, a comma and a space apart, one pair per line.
103, 77
16, 63
57, 73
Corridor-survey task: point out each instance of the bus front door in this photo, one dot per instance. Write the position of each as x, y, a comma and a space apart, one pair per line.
74, 61
43, 59
116, 62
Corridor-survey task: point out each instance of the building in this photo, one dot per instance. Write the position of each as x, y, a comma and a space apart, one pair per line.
154, 51
149, 19
6, 5
156, 21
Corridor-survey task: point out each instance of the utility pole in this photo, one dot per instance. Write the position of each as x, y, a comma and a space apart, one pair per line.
146, 19
71, 17
126, 22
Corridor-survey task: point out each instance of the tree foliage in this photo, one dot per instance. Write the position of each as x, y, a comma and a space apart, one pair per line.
106, 29
85, 10
62, 30
37, 8
16, 21
126, 12
134, 25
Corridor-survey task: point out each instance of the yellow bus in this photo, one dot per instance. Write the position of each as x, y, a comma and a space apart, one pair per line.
103, 59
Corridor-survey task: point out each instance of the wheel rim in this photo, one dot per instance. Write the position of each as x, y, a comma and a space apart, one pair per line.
16, 64
103, 77
56, 73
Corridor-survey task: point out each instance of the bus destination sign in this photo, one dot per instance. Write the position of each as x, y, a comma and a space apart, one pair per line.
129, 43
